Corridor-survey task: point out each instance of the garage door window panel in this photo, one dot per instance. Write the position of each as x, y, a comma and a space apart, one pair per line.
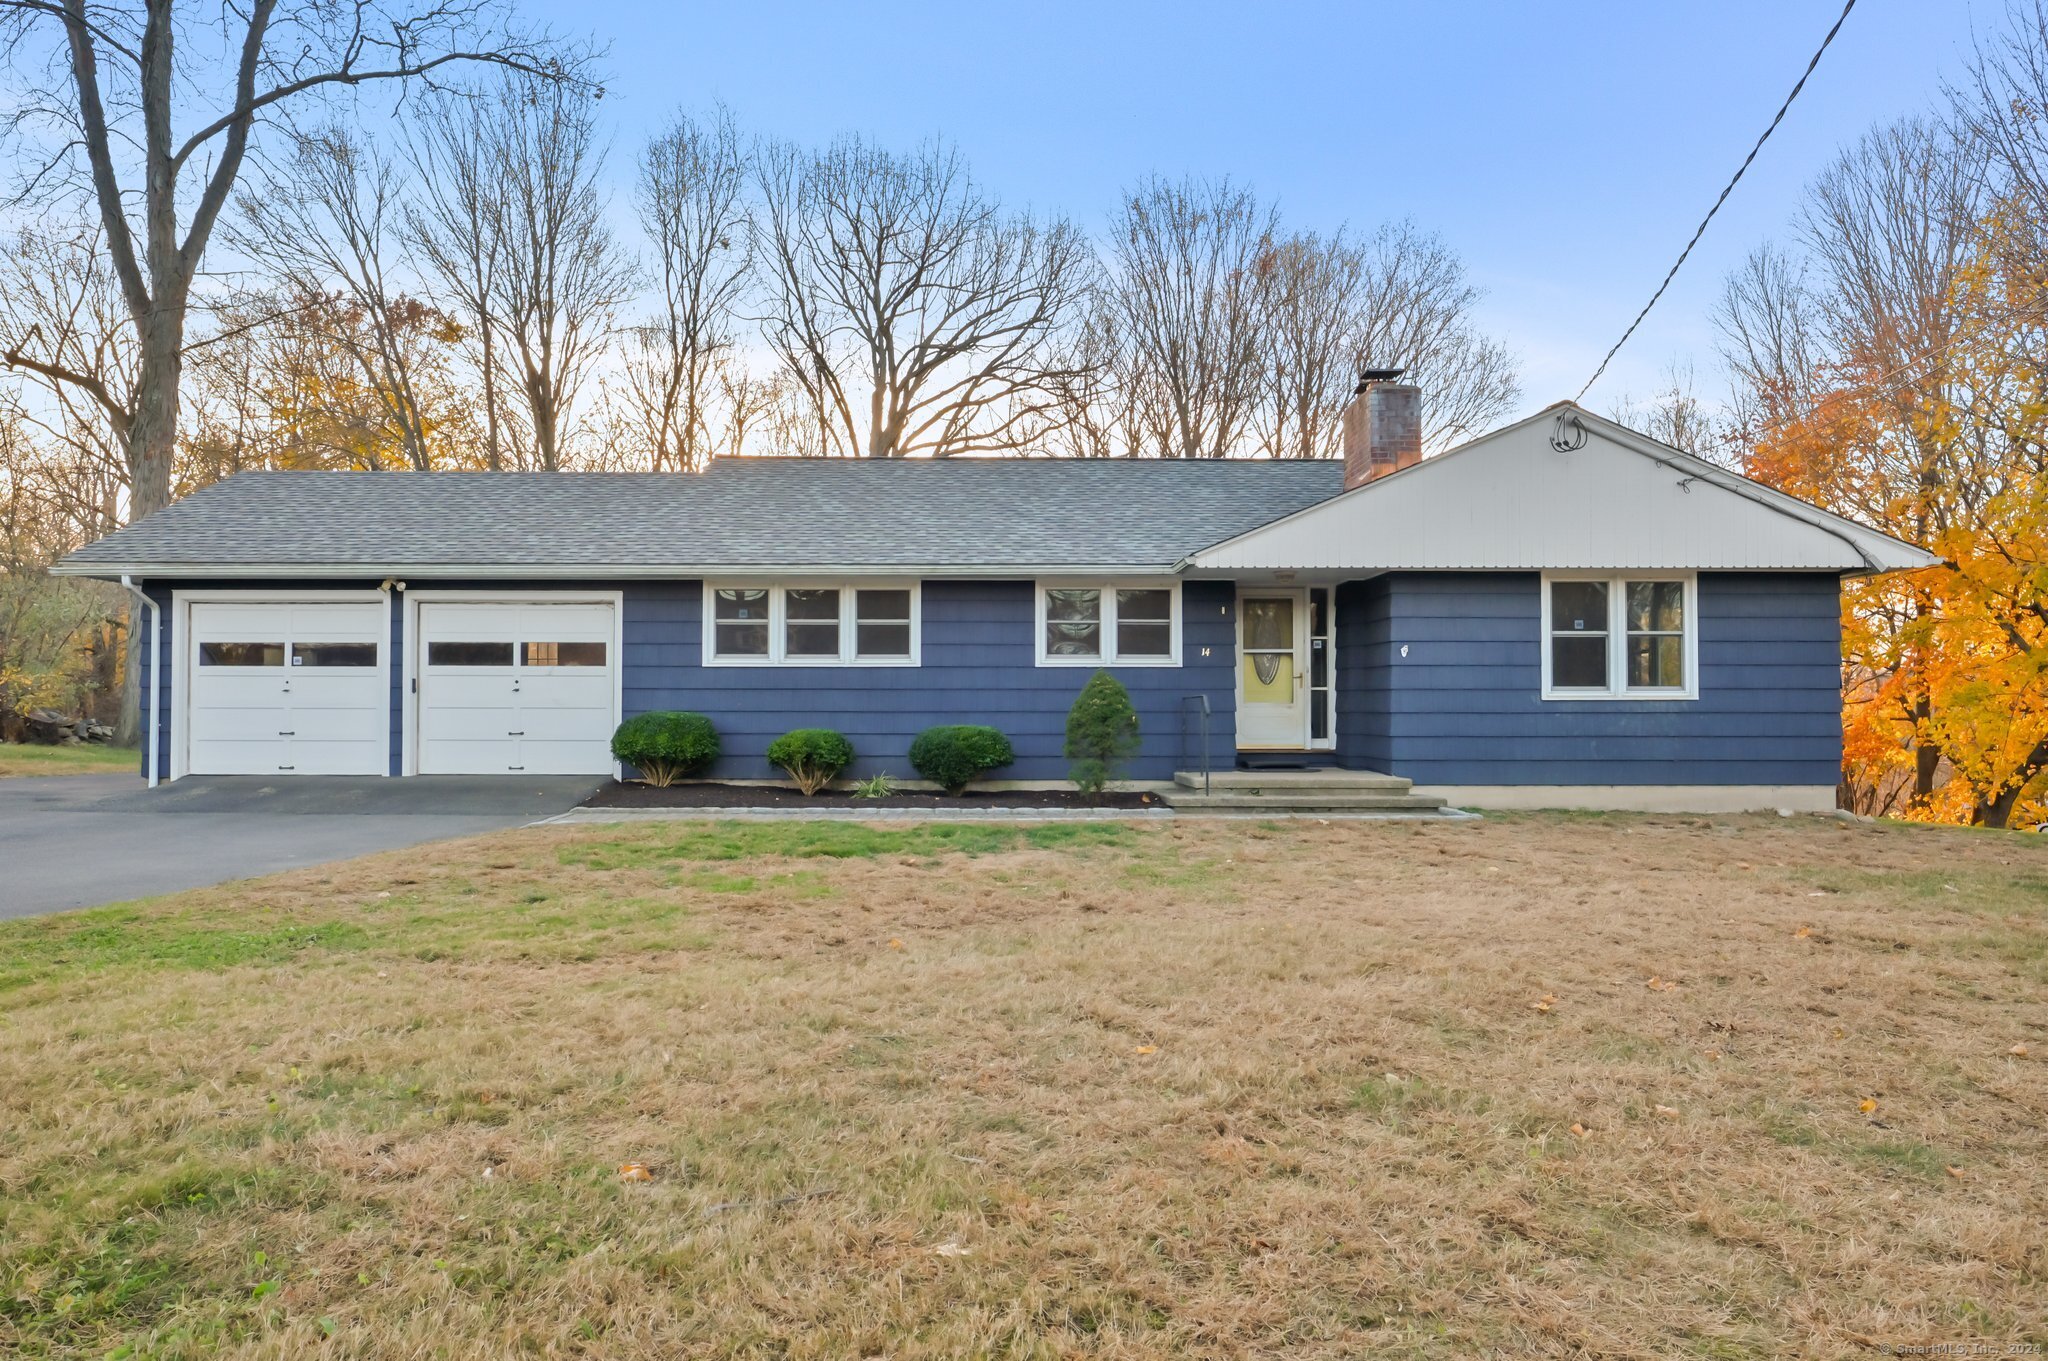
241, 654
453, 653
349, 655
562, 654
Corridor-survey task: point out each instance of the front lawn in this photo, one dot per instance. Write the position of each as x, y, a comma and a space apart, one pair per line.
1535, 1086
29, 759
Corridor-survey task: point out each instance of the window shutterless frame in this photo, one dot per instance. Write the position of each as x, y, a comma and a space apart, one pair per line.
1616, 632
1096, 609
870, 614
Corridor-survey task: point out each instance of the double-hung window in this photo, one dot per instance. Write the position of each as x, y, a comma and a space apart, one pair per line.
1621, 636
749, 624
1102, 623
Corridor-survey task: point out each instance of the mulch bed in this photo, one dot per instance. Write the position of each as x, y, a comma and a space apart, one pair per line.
708, 794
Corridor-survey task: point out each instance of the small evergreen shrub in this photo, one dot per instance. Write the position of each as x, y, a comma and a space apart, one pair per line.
666, 746
812, 756
1102, 734
955, 754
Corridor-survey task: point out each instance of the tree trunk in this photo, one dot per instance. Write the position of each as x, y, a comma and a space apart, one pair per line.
1926, 756
1997, 810
152, 444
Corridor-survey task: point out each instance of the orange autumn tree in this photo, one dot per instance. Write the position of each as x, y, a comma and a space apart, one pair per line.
1945, 670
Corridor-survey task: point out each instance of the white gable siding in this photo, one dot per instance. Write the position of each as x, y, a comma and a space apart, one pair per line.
1509, 501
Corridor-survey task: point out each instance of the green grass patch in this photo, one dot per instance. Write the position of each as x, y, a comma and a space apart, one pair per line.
22, 759
108, 938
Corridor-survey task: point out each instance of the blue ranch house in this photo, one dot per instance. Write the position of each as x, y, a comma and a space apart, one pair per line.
1562, 613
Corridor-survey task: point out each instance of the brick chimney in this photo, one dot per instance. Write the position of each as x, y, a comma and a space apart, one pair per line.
1382, 427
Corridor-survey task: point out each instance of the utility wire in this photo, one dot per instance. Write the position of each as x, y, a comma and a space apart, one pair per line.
1702, 230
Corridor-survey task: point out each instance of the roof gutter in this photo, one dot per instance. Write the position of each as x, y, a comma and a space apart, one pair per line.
596, 571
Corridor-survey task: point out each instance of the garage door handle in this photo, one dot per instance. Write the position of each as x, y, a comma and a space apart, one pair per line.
520, 733
287, 767
287, 734
515, 767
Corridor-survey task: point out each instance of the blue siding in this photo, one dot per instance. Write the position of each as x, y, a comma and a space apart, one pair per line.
1465, 705
1364, 710
978, 667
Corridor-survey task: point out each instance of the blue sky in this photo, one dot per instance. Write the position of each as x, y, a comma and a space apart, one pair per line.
1566, 149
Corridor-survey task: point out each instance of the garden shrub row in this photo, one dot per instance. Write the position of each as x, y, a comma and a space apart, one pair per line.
1102, 735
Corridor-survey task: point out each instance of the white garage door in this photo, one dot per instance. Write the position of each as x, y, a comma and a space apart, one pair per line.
515, 687
293, 688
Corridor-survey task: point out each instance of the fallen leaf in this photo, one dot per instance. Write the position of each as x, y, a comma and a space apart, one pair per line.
1657, 984
1146, 1049
634, 1172
1956, 1172
895, 944
1867, 1104
1802, 933
1544, 1003
2018, 1051
1668, 1112
1714, 1054
1820, 893
1580, 1130
950, 1249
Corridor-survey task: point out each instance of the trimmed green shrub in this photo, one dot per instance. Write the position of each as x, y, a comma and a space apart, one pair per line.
812, 756
1102, 733
952, 755
666, 746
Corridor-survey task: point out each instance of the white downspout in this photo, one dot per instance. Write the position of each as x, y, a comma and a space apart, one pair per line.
156, 657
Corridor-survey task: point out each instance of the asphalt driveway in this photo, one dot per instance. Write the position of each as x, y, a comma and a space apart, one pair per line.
82, 840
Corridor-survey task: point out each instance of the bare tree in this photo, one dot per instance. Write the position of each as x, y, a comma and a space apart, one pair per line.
1673, 414
558, 276
455, 225
913, 312
693, 205
65, 328
1417, 314
1186, 299
106, 80
322, 220
1313, 296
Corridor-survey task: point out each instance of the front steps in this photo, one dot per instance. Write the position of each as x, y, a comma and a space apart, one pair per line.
1283, 792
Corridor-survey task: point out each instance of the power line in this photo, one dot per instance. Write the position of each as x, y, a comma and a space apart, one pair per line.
1736, 179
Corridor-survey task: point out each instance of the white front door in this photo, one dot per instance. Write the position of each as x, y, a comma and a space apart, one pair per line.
516, 688
288, 688
1272, 693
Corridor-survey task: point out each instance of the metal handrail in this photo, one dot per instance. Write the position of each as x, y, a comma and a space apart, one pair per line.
1202, 713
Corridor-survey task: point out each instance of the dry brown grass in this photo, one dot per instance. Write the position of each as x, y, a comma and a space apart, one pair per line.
1210, 1089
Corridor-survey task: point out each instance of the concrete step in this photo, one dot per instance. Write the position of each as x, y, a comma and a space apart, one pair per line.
1294, 782
1238, 801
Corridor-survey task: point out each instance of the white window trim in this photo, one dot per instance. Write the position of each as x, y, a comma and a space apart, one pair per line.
1109, 588
1617, 638
778, 634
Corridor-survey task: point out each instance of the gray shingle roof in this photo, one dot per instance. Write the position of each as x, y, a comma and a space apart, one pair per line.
974, 516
